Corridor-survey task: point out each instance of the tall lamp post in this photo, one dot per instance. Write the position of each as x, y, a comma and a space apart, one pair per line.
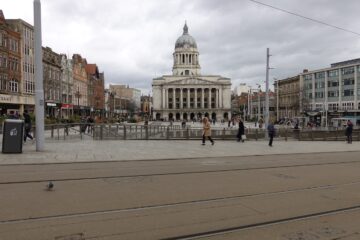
78, 95
277, 99
259, 101
39, 78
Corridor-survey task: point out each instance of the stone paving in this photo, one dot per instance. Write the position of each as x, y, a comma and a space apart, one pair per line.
76, 150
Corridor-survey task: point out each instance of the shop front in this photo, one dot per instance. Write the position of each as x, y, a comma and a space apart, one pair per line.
15, 104
67, 110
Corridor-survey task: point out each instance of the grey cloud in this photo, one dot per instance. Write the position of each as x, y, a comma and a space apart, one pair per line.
133, 41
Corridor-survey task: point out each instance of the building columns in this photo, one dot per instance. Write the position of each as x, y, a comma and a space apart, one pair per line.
188, 98
174, 99
216, 98
163, 98
209, 101
181, 98
202, 97
195, 93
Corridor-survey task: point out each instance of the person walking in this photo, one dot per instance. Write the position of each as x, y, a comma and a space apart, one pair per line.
348, 131
271, 132
241, 131
206, 131
27, 121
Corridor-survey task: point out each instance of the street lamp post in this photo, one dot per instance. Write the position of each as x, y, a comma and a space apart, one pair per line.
277, 99
259, 101
39, 78
78, 95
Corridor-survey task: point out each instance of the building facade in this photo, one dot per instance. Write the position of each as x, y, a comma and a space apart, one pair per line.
11, 101
186, 94
333, 91
52, 82
67, 82
96, 97
126, 100
80, 87
27, 86
287, 93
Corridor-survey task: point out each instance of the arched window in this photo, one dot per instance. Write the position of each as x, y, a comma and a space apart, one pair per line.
183, 58
187, 72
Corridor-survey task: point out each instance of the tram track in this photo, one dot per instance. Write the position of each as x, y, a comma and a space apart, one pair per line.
176, 204
177, 173
219, 232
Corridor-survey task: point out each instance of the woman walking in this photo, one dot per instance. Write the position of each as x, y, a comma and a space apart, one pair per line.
241, 131
206, 131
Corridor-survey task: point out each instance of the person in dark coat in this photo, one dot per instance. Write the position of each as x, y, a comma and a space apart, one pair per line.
27, 121
271, 132
241, 131
348, 131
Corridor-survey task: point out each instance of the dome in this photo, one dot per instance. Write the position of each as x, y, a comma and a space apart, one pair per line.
185, 40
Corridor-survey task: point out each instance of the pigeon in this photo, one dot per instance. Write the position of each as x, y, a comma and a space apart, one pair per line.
50, 186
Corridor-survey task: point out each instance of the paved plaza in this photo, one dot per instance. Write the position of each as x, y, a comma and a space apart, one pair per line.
113, 190
59, 151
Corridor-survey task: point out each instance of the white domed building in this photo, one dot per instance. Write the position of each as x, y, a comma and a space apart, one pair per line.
186, 94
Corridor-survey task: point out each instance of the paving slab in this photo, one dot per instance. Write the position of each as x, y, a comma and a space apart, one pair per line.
123, 150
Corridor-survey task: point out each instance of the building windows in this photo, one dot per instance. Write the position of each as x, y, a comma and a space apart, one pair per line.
319, 94
308, 86
13, 86
348, 81
348, 92
333, 73
333, 93
308, 77
3, 61
3, 79
14, 45
348, 70
319, 85
348, 106
333, 106
333, 83
187, 72
319, 75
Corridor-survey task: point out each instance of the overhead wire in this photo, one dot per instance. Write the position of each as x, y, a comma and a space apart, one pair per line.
307, 18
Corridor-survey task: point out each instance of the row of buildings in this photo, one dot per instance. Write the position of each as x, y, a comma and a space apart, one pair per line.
322, 94
317, 96
71, 85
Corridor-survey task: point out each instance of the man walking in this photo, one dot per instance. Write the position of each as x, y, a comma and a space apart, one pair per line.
348, 131
27, 121
271, 132
241, 131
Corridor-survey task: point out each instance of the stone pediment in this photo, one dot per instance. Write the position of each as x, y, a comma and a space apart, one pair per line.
191, 81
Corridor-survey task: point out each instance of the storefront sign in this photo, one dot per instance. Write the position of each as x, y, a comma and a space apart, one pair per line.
66, 105
5, 98
16, 99
51, 104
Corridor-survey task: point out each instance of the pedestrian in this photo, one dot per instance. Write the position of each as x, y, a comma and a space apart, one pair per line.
271, 132
206, 131
348, 131
241, 132
27, 121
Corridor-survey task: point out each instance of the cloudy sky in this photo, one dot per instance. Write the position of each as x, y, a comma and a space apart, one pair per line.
133, 41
